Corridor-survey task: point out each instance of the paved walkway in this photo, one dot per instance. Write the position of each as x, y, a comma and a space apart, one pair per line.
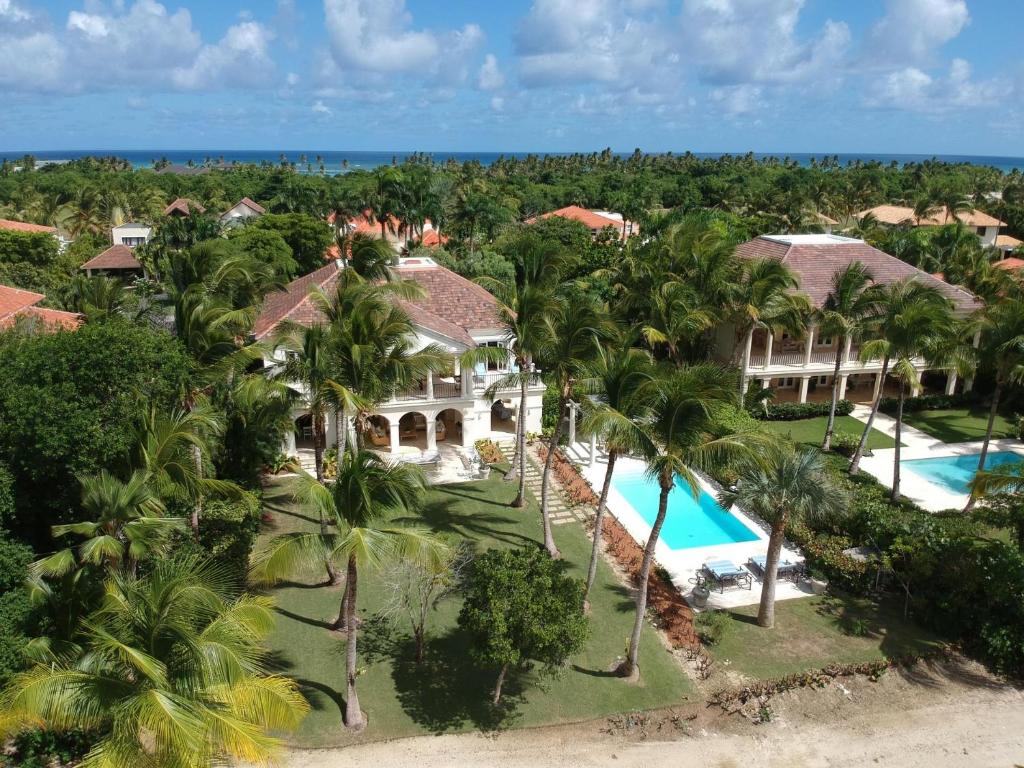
909, 436
559, 509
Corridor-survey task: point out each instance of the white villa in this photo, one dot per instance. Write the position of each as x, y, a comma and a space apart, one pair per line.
131, 234
437, 413
240, 211
802, 368
987, 227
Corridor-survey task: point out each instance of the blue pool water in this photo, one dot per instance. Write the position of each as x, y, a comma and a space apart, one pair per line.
690, 522
955, 473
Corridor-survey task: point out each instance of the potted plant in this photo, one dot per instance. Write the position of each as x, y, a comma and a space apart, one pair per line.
817, 581
699, 596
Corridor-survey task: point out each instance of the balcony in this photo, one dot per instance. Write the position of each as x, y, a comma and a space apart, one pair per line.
454, 387
823, 361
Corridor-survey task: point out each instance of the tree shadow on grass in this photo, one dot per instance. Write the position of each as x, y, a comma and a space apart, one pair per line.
321, 696
443, 517
447, 691
303, 619
627, 602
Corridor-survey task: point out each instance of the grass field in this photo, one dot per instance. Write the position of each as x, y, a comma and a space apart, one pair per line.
447, 693
810, 633
812, 431
960, 425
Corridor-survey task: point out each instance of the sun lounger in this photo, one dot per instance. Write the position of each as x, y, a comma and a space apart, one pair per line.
719, 573
785, 569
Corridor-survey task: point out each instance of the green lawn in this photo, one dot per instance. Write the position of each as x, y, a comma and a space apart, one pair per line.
447, 693
812, 431
810, 633
959, 425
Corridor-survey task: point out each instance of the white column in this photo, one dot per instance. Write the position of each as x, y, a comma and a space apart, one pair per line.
467, 381
572, 422
804, 381
916, 390
768, 348
810, 345
846, 350
330, 441
431, 434
430, 385
593, 448
765, 383
969, 381
951, 383
842, 385
395, 437
744, 378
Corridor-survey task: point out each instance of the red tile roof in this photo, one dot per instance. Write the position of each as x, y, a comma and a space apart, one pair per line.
24, 226
252, 204
184, 206
816, 258
14, 300
16, 303
115, 257
293, 302
1011, 263
55, 319
590, 219
431, 239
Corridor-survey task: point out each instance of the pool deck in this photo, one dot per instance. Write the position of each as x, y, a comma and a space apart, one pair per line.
683, 564
918, 489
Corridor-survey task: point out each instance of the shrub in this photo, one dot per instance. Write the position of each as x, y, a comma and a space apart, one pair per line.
42, 748
15, 610
845, 443
928, 402
227, 532
712, 626
795, 411
489, 451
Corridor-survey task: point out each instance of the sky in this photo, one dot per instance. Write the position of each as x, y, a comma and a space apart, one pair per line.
880, 76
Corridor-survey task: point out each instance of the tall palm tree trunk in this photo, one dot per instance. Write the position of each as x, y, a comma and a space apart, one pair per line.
520, 449
766, 611
353, 714
197, 506
895, 493
859, 453
545, 482
333, 577
340, 432
598, 525
988, 435
631, 665
748, 340
830, 426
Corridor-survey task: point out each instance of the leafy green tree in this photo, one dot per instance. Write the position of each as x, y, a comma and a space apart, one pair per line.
308, 237
15, 610
366, 494
521, 607
266, 246
96, 297
169, 670
782, 487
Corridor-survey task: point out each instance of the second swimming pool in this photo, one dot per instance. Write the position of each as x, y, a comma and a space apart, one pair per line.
690, 522
955, 473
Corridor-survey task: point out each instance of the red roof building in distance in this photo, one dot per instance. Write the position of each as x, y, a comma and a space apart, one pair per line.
116, 259
183, 207
243, 209
1011, 263
24, 226
595, 221
17, 306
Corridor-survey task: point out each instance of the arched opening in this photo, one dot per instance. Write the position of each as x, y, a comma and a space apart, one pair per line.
304, 432
502, 418
448, 426
412, 431
378, 433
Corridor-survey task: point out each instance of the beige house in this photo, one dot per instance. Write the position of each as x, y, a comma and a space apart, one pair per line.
987, 227
797, 367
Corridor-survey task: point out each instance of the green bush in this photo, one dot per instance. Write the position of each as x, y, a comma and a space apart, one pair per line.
15, 610
928, 402
712, 626
796, 411
41, 748
227, 532
844, 443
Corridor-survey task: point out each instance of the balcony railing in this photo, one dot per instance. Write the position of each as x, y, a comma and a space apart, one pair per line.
484, 381
445, 388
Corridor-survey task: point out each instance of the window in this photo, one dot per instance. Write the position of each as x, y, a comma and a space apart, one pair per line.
825, 341
981, 231
787, 382
133, 241
823, 380
493, 365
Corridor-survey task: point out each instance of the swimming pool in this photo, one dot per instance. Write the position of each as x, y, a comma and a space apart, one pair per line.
955, 473
690, 522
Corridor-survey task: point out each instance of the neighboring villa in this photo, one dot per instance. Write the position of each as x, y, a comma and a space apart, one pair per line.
396, 233
19, 307
240, 211
131, 234
439, 410
798, 367
595, 221
1008, 244
117, 261
183, 207
35, 229
987, 227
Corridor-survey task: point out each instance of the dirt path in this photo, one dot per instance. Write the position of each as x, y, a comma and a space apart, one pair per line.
929, 717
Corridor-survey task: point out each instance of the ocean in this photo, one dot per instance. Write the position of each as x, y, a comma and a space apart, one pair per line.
339, 161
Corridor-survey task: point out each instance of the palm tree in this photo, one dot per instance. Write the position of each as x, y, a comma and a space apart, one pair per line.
765, 298
169, 670
95, 297
684, 403
367, 493
574, 334
785, 486
849, 307
125, 525
1001, 325
618, 377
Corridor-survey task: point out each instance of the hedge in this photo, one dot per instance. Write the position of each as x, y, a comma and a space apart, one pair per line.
796, 411
928, 402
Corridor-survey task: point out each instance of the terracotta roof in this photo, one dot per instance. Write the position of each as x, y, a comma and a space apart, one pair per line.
814, 259
115, 257
1006, 241
900, 214
24, 226
431, 239
1011, 263
293, 302
16, 303
252, 205
184, 206
363, 225
590, 219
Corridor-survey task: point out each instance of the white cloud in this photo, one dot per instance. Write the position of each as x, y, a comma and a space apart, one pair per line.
241, 58
490, 77
497, 103
320, 108
912, 30
31, 62
755, 41
11, 13
915, 90
737, 100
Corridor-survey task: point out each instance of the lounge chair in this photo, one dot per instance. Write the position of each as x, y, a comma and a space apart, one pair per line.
718, 573
786, 568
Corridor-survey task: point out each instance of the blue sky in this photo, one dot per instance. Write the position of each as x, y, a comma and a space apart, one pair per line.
916, 76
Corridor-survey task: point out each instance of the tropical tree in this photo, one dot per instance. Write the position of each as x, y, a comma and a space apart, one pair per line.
617, 379
168, 670
362, 502
783, 487
96, 297
849, 308
1001, 325
684, 403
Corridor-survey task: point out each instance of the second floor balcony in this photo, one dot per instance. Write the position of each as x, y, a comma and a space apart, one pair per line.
462, 386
